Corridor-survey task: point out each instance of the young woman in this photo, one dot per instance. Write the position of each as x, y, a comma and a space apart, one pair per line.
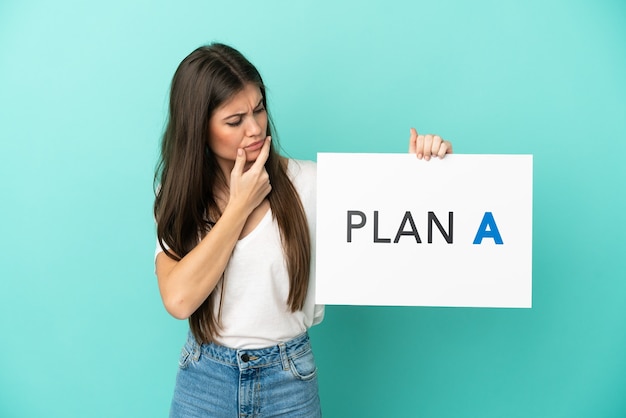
235, 228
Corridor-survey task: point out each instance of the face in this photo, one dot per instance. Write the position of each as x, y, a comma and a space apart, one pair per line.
240, 122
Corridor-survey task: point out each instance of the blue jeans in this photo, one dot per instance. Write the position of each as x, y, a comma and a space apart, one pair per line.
216, 381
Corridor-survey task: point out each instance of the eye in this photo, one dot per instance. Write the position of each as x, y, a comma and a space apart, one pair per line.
235, 123
259, 109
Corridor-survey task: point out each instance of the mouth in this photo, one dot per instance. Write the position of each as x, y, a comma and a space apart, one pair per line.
254, 146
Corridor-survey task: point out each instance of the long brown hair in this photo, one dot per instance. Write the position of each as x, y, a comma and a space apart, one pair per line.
187, 173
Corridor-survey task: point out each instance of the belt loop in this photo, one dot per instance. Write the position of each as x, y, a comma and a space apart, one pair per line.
195, 349
283, 356
196, 352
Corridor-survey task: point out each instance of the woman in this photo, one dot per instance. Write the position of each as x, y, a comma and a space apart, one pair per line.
236, 224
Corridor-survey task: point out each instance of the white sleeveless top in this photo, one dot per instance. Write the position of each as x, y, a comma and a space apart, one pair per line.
255, 313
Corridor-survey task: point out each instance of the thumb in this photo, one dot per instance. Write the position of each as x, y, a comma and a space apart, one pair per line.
412, 141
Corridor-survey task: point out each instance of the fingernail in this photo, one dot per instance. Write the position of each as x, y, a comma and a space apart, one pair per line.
239, 152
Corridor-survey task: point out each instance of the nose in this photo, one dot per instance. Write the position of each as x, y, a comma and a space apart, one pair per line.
253, 127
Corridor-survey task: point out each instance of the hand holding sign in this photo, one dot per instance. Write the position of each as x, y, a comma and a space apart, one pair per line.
425, 146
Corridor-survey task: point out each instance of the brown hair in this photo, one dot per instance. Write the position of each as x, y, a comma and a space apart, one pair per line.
187, 173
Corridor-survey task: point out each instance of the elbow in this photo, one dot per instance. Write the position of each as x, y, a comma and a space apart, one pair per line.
178, 314
177, 308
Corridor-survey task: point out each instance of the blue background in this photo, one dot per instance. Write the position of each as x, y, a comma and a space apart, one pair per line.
84, 94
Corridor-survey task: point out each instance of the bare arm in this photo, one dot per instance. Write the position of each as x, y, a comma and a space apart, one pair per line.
185, 284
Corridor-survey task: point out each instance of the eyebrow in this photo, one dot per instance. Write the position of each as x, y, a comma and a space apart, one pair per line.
243, 113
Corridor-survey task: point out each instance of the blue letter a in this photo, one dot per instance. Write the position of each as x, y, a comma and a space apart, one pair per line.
492, 232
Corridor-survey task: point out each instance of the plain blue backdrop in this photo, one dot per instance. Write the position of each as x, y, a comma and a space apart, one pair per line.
83, 89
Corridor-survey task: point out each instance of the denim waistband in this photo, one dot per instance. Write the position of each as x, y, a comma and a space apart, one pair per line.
253, 358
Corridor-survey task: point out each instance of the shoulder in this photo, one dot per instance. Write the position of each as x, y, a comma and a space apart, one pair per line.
303, 175
301, 169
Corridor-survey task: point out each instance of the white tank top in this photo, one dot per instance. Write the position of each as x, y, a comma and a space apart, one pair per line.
254, 312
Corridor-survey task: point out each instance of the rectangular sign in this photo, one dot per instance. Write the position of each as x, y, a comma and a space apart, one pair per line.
395, 230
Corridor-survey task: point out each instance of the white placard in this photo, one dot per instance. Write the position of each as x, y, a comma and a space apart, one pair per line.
394, 230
